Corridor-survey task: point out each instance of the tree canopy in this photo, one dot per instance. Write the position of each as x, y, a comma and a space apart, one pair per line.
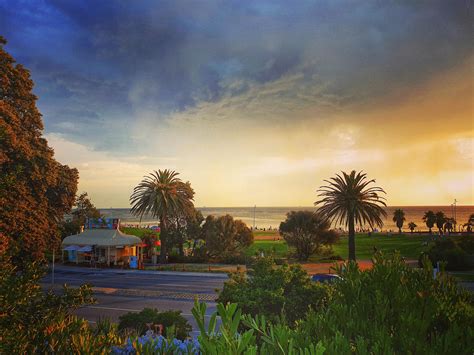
399, 218
35, 189
163, 195
307, 232
225, 237
348, 199
430, 219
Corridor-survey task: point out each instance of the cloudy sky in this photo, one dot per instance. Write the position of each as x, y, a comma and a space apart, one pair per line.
254, 102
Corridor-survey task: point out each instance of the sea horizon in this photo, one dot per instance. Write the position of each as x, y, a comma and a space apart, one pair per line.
271, 216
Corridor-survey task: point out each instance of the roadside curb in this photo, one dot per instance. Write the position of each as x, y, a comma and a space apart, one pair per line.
221, 275
142, 293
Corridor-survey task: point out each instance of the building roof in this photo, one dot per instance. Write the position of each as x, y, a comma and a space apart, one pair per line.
101, 237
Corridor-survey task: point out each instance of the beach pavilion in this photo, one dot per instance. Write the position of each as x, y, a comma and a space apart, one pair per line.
107, 246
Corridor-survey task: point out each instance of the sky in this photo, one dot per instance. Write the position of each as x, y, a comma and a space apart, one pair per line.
254, 102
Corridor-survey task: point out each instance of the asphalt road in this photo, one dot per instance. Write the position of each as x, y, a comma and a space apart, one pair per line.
119, 292
159, 281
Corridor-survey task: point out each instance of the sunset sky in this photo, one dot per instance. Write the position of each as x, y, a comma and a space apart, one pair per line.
254, 102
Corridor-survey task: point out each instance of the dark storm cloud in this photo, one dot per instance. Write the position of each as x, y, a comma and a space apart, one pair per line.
105, 60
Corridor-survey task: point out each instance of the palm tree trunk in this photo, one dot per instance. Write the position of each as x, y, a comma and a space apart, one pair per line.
163, 240
352, 255
180, 243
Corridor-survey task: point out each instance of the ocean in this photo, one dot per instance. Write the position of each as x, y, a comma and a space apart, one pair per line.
271, 217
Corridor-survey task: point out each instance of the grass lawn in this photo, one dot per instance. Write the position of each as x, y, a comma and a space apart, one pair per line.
279, 247
408, 246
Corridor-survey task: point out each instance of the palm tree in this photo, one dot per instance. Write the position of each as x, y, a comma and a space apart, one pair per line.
440, 221
399, 218
470, 223
162, 194
449, 224
429, 218
347, 200
412, 226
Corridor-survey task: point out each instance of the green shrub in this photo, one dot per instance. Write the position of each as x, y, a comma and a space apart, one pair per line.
33, 321
452, 252
394, 309
173, 322
466, 243
274, 291
390, 309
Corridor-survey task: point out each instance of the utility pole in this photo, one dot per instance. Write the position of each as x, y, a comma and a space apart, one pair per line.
455, 221
52, 272
254, 208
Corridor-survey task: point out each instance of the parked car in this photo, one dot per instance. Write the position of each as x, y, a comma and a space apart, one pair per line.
329, 278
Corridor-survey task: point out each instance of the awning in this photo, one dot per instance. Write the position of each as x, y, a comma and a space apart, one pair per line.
72, 248
102, 238
85, 249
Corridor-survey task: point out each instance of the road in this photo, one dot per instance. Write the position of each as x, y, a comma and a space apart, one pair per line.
121, 291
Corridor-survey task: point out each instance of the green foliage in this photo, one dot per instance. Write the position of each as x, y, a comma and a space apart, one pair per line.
412, 226
226, 339
430, 219
260, 336
399, 218
307, 232
69, 228
225, 237
394, 309
84, 209
162, 194
174, 324
185, 228
348, 199
441, 219
466, 243
34, 321
274, 291
454, 252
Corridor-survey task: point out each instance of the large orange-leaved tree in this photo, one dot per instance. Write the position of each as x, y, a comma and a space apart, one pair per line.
35, 189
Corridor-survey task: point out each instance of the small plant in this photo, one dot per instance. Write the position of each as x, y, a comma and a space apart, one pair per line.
174, 324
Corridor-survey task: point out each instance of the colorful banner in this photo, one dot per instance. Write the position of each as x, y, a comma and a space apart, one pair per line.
103, 223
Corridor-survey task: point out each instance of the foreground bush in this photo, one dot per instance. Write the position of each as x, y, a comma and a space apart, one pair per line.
390, 309
33, 321
274, 291
394, 309
173, 322
456, 253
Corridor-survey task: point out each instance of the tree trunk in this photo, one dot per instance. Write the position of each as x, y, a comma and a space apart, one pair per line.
180, 243
163, 240
352, 255
399, 230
